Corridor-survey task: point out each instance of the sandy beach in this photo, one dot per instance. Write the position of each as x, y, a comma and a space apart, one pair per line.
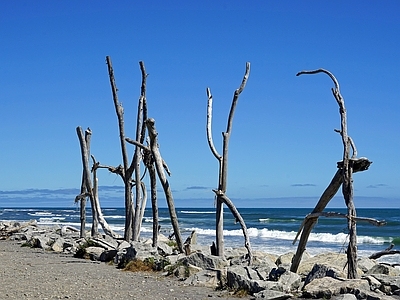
28, 273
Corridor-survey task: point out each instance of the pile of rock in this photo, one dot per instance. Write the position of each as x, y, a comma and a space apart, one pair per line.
268, 277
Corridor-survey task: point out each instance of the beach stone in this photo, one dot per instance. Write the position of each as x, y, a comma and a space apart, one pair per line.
164, 249
208, 278
285, 259
272, 295
365, 263
320, 271
108, 255
94, 252
391, 282
374, 283
345, 297
238, 279
383, 269
203, 261
124, 244
58, 245
327, 287
290, 281
334, 260
40, 241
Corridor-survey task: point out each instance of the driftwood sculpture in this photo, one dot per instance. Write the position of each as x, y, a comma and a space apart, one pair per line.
160, 168
133, 214
221, 197
92, 191
343, 177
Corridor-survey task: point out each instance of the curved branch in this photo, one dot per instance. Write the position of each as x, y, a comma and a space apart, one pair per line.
236, 97
321, 71
209, 131
221, 195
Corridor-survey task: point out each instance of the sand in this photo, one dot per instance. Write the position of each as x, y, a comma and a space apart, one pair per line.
28, 273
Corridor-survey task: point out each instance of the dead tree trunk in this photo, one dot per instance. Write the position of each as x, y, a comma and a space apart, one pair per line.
360, 164
222, 160
160, 167
347, 173
133, 215
88, 183
96, 203
82, 197
149, 163
140, 190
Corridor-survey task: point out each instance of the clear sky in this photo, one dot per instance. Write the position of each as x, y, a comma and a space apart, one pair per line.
283, 148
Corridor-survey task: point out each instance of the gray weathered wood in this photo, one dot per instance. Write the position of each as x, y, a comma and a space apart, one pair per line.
126, 177
160, 165
223, 159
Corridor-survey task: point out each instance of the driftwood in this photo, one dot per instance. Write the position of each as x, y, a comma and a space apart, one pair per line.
4, 232
359, 164
87, 180
124, 171
387, 251
82, 199
239, 218
346, 173
140, 189
92, 192
223, 166
162, 167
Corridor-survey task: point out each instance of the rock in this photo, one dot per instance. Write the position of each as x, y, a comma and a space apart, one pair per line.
345, 297
203, 261
209, 278
365, 263
383, 269
285, 259
58, 245
272, 295
327, 287
39, 241
94, 253
320, 271
389, 284
374, 283
238, 279
290, 281
334, 260
108, 255
164, 249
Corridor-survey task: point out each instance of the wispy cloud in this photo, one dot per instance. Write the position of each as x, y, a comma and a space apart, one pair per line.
196, 187
303, 184
375, 186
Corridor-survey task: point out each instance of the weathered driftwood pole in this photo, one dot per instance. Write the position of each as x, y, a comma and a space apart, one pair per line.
140, 189
160, 167
92, 191
347, 173
149, 163
88, 183
306, 227
82, 199
96, 203
223, 169
124, 171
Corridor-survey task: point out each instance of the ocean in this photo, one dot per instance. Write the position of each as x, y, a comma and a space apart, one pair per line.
271, 229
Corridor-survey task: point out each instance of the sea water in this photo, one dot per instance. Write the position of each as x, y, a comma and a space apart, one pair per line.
270, 229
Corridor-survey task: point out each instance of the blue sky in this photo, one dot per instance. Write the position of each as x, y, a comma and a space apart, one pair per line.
283, 150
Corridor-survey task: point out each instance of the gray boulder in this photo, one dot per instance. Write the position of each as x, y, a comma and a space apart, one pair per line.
272, 295
208, 278
203, 261
327, 287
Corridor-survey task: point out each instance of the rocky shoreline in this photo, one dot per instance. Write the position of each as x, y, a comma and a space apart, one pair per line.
268, 277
